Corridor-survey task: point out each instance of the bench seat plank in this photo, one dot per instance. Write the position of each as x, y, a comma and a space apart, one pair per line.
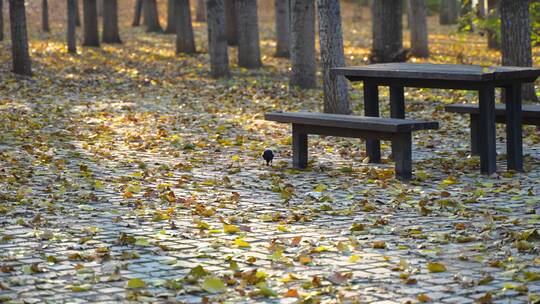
376, 124
529, 111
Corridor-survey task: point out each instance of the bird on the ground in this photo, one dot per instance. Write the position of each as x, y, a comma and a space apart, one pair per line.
268, 156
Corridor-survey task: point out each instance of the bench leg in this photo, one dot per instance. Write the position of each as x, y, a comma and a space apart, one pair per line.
475, 126
371, 108
402, 148
300, 149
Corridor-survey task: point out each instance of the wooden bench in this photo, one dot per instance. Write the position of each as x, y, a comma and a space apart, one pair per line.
531, 116
398, 131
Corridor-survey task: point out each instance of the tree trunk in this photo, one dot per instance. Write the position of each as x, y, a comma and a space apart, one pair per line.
71, 26
494, 41
336, 91
45, 16
217, 38
78, 16
481, 9
449, 11
151, 16
185, 41
249, 52
200, 11
303, 62
231, 22
1, 20
171, 17
516, 39
283, 27
387, 31
138, 12
91, 31
419, 29
111, 33
19, 38
99, 7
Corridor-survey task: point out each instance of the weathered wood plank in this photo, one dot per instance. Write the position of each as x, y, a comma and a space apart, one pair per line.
528, 111
352, 122
428, 71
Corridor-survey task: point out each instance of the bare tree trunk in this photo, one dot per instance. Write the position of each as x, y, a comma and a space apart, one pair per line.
336, 91
387, 31
481, 8
516, 39
91, 31
303, 62
185, 41
71, 26
200, 11
78, 19
45, 16
171, 17
418, 26
19, 38
449, 12
138, 12
283, 27
151, 16
231, 20
493, 38
249, 52
100, 7
217, 39
111, 33
1, 20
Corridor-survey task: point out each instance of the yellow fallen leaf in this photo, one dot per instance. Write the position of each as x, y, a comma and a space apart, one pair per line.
241, 243
230, 229
436, 267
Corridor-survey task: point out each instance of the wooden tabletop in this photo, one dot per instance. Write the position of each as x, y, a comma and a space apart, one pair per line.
447, 72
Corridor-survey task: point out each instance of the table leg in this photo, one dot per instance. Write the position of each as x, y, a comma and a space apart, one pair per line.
514, 120
371, 108
488, 160
300, 148
397, 102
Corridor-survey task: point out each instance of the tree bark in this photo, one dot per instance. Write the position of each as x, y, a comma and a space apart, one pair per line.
481, 9
494, 41
91, 32
151, 16
200, 15
111, 33
45, 26
449, 11
78, 16
516, 39
185, 41
387, 31
99, 7
336, 91
283, 27
1, 20
419, 29
138, 12
249, 52
231, 20
217, 39
71, 26
303, 62
171, 17
19, 38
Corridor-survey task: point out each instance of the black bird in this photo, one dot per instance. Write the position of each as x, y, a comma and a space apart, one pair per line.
268, 156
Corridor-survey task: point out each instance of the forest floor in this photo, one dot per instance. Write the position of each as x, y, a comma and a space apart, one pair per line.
126, 173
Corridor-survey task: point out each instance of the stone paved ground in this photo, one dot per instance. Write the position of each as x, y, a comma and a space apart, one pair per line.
140, 179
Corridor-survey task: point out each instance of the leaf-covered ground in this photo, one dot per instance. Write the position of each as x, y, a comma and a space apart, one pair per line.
126, 173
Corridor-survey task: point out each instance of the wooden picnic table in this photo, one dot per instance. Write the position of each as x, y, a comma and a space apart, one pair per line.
450, 76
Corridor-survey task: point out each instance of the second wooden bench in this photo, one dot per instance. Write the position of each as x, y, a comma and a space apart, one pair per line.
398, 131
531, 116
